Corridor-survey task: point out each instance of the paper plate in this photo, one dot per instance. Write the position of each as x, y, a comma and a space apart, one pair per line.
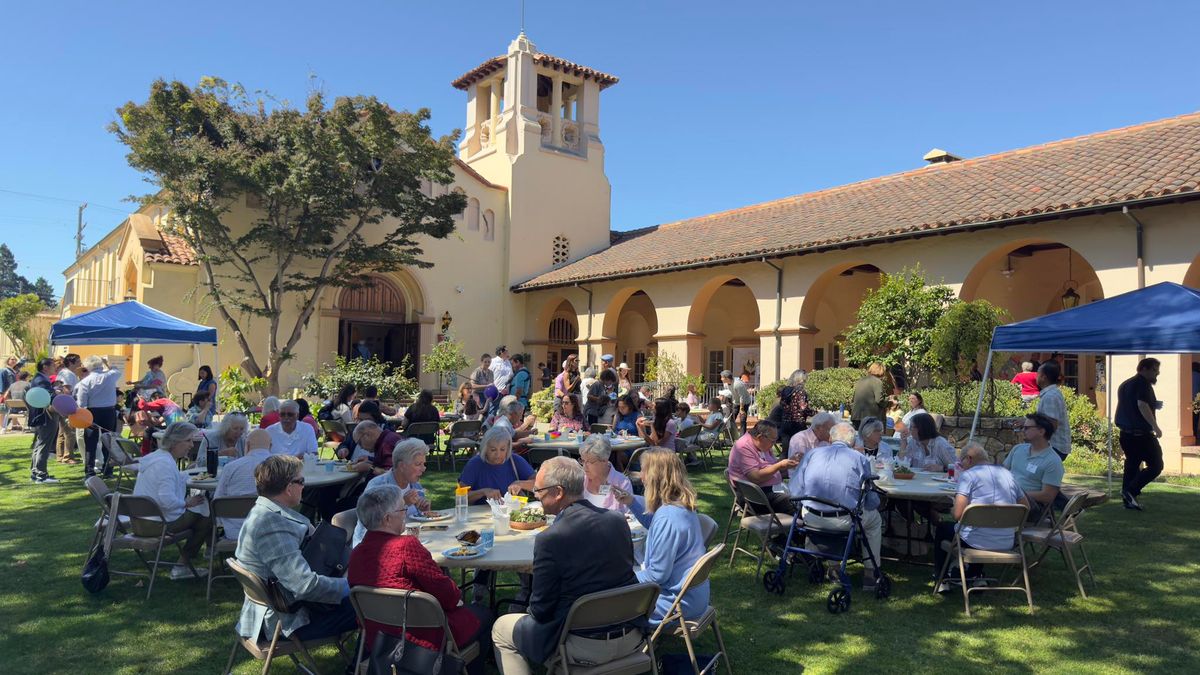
433, 517
475, 552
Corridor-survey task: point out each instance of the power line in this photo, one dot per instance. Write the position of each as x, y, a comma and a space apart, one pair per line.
75, 202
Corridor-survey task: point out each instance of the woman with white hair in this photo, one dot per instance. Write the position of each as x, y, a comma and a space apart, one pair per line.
870, 435
408, 465
270, 411
495, 469
602, 480
160, 479
387, 558
98, 393
229, 436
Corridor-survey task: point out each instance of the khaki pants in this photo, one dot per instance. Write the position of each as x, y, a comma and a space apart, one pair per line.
66, 447
201, 527
872, 526
580, 651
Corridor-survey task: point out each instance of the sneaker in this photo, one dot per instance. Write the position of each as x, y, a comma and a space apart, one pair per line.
1131, 502
870, 581
48, 479
36, 479
944, 586
183, 572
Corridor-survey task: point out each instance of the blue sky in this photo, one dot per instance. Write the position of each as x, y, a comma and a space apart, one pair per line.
720, 104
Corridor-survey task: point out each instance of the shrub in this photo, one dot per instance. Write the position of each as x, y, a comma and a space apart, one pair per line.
767, 396
667, 370
389, 379
1089, 428
960, 339
830, 388
1006, 403
237, 392
541, 404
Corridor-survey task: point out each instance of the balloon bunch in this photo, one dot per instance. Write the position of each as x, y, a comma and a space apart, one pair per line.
63, 404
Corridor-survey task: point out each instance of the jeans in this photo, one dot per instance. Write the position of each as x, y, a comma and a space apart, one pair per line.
43, 443
103, 419
66, 444
1140, 447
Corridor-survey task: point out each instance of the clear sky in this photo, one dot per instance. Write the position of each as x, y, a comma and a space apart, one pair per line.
720, 104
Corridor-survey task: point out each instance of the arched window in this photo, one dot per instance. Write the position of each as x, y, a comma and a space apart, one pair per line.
562, 332
472, 214
561, 250
489, 225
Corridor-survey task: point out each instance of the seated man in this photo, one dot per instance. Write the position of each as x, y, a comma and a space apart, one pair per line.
269, 546
373, 448
815, 436
236, 479
588, 550
509, 418
288, 436
751, 460
835, 474
1036, 466
711, 427
979, 482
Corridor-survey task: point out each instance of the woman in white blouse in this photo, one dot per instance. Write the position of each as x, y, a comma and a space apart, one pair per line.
600, 476
926, 448
160, 479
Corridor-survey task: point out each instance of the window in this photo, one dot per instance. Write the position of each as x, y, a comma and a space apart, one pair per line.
489, 225
716, 363
1071, 371
562, 332
819, 358
561, 250
639, 366
472, 214
835, 355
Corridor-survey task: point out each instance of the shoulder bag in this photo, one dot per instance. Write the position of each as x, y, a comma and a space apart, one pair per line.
395, 655
95, 575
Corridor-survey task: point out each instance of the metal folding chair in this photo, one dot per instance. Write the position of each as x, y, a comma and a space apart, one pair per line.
764, 525
224, 507
606, 609
406, 609
1063, 536
464, 437
1002, 516
147, 509
674, 623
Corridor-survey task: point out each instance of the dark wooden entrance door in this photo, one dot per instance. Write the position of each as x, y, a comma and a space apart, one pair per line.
390, 342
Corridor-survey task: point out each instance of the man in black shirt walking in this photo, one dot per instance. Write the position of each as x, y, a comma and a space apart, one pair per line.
1139, 431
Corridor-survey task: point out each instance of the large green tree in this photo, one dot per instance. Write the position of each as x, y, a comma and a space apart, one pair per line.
337, 190
896, 322
17, 321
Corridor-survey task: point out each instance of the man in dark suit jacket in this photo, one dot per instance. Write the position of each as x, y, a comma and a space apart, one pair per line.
587, 549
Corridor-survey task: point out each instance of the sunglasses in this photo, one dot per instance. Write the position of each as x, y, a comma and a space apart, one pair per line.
298, 481
288, 414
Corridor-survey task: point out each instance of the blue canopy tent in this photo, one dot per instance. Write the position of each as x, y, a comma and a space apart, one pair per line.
131, 323
1159, 319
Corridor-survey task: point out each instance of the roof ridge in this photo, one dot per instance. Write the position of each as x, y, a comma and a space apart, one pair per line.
959, 165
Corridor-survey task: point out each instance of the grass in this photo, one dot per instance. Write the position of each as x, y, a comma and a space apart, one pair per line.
1143, 615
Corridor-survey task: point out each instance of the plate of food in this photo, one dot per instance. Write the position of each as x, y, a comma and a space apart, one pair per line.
464, 552
527, 519
430, 517
203, 475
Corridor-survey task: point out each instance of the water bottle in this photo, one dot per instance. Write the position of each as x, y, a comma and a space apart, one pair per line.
460, 504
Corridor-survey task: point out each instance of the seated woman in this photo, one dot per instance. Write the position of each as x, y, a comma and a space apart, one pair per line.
368, 411
570, 417
423, 410
471, 412
711, 427
870, 435
626, 417
660, 431
305, 416
388, 558
201, 411
160, 479
601, 478
674, 542
228, 438
270, 411
495, 470
464, 395
340, 407
926, 448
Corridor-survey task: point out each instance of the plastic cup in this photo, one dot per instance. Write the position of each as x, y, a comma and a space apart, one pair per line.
501, 525
328, 467
487, 538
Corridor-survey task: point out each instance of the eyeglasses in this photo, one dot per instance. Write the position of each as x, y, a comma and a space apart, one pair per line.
543, 489
1029, 426
288, 414
298, 481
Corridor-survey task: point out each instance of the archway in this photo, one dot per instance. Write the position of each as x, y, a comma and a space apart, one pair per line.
630, 323
830, 307
1034, 277
1189, 384
725, 313
557, 333
380, 320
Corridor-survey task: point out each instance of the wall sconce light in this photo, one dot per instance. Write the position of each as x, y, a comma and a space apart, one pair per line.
446, 320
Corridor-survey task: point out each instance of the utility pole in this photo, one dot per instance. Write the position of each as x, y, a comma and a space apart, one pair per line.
79, 232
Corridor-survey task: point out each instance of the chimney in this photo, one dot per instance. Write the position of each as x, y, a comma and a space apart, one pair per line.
939, 156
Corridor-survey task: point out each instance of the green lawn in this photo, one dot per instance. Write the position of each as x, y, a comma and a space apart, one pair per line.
1142, 617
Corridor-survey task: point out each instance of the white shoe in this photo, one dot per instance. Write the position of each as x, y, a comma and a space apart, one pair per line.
179, 572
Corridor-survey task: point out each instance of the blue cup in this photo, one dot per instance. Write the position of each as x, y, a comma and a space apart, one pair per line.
487, 538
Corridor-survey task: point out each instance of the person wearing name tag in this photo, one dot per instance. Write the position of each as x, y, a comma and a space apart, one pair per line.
1036, 466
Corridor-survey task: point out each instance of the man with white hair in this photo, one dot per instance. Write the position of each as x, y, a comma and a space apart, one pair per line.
408, 464
288, 437
98, 393
586, 551
236, 479
815, 436
835, 474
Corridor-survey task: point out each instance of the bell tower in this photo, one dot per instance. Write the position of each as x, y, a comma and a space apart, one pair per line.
533, 126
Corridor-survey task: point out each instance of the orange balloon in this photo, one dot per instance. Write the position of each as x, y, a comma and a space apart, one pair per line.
80, 419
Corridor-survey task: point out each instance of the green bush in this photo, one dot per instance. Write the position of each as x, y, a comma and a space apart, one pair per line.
389, 379
1007, 401
1088, 426
1084, 460
767, 396
830, 388
542, 404
238, 393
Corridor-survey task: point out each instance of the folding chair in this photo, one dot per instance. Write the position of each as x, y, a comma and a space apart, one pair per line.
607, 609
397, 608
103, 495
464, 437
685, 442
737, 509
147, 509
1001, 516
346, 520
332, 428
123, 454
708, 528
763, 526
224, 507
536, 456
674, 623
1062, 536
426, 429
635, 477
266, 650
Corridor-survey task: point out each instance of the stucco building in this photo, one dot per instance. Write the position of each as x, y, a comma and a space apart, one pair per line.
769, 287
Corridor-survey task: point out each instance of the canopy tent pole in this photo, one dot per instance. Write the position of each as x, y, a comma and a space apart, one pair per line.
987, 373
216, 372
1108, 415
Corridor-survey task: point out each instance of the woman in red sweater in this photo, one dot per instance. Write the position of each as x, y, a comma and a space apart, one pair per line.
387, 558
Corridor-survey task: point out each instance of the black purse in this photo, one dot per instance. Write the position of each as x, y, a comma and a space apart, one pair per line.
95, 575
394, 655
327, 552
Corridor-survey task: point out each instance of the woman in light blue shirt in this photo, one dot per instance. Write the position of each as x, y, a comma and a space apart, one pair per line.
674, 542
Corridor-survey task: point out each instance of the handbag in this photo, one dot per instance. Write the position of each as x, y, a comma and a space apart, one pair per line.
327, 552
395, 655
95, 575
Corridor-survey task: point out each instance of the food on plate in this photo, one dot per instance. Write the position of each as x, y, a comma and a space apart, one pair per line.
528, 516
462, 552
202, 476
469, 537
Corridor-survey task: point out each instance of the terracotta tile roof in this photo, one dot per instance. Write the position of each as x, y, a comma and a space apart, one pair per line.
1154, 160
553, 62
173, 250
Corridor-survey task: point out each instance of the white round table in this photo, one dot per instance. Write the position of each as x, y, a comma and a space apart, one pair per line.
924, 486
314, 476
565, 444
